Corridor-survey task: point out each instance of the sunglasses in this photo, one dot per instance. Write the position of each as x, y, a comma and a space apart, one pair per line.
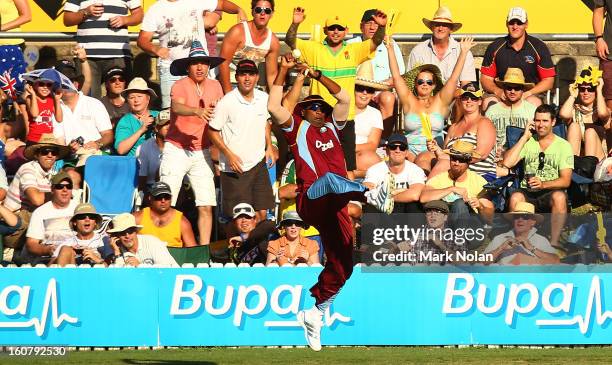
44, 84
367, 89
46, 151
515, 22
315, 106
466, 97
394, 147
587, 89
462, 159
127, 231
163, 197
335, 27
541, 158
293, 223
62, 186
436, 24
81, 217
513, 87
116, 79
260, 10
524, 217
422, 81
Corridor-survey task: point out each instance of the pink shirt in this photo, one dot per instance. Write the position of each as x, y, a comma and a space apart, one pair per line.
189, 133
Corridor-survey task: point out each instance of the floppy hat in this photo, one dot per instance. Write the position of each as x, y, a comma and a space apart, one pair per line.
462, 149
86, 208
243, 209
311, 99
122, 222
524, 208
514, 76
46, 140
443, 15
138, 84
410, 76
197, 52
365, 77
292, 215
440, 205
336, 20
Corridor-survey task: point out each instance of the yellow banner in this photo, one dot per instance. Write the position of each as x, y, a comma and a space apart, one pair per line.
477, 16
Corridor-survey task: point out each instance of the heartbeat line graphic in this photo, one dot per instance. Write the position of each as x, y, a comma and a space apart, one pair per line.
584, 322
328, 320
40, 325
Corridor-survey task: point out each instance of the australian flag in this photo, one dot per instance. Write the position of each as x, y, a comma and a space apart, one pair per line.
12, 65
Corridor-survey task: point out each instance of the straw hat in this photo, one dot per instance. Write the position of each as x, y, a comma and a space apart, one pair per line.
524, 208
86, 208
197, 52
410, 76
122, 222
514, 76
365, 77
139, 84
462, 148
46, 140
443, 15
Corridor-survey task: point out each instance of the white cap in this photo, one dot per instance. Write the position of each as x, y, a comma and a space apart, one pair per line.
243, 209
517, 13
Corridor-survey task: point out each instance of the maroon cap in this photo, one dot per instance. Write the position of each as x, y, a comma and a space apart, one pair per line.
246, 65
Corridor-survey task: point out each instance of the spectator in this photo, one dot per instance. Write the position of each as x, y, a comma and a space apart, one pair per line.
460, 187
102, 29
13, 14
473, 128
522, 245
49, 224
9, 223
149, 153
133, 249
159, 219
31, 183
368, 120
423, 95
84, 245
177, 23
85, 68
136, 126
441, 50
251, 40
518, 50
248, 242
292, 247
43, 106
409, 178
548, 161
512, 110
380, 69
587, 115
186, 150
603, 42
242, 133
114, 81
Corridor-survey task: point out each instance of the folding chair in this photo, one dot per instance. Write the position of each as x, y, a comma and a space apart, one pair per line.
190, 255
110, 184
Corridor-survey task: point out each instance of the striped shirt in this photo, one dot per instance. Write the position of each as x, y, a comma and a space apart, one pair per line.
95, 33
29, 175
483, 167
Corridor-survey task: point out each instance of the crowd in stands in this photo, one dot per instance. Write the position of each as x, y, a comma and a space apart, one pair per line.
214, 163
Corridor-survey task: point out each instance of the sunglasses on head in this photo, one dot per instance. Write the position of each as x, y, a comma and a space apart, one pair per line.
336, 27
162, 197
259, 10
467, 96
524, 217
116, 79
513, 87
541, 159
465, 158
424, 81
367, 89
80, 217
62, 186
588, 89
44, 84
393, 147
46, 151
244, 211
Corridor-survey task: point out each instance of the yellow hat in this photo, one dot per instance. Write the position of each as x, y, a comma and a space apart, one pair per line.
462, 148
524, 208
514, 76
335, 20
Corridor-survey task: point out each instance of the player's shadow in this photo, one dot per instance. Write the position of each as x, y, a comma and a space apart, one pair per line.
167, 362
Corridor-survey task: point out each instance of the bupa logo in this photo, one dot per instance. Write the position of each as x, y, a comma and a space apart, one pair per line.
556, 299
15, 301
324, 146
246, 301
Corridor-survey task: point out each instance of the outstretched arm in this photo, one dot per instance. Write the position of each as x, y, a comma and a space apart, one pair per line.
406, 96
448, 91
291, 36
280, 114
381, 19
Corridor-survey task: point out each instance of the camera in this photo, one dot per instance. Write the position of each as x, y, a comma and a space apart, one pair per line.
79, 140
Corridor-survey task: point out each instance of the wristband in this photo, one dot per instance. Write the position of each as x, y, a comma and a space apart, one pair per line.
597, 37
316, 74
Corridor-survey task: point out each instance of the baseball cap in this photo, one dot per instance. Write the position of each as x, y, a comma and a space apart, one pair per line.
437, 205
517, 13
160, 188
335, 20
397, 138
163, 117
471, 88
368, 15
113, 71
59, 177
243, 209
68, 68
246, 65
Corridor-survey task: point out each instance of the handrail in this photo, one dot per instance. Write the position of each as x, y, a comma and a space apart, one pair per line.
401, 37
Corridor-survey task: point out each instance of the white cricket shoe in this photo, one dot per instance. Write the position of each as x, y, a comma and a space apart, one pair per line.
311, 320
381, 197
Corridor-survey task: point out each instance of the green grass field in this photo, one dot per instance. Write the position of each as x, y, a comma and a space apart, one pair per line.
345, 355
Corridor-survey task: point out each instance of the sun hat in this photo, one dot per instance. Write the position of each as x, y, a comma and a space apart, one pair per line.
462, 149
514, 76
86, 208
365, 77
311, 99
123, 222
524, 208
443, 15
292, 215
410, 76
243, 209
140, 85
197, 52
46, 140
